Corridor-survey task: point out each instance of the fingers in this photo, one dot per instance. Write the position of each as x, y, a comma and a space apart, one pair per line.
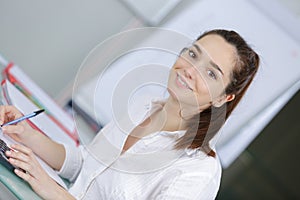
16, 129
24, 160
2, 114
21, 157
22, 166
29, 169
15, 132
22, 149
7, 112
24, 175
18, 156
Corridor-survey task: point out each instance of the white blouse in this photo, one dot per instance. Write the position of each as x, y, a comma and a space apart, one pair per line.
150, 169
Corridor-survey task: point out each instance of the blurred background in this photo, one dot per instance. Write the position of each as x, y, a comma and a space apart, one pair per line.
50, 39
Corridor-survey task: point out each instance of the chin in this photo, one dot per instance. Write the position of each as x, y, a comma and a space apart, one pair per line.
173, 94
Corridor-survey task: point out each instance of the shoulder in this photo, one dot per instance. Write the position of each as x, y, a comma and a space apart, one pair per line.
199, 164
195, 176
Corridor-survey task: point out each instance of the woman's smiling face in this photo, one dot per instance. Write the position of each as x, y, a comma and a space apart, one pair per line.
201, 73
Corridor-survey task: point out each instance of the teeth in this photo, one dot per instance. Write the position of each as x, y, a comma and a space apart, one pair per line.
182, 82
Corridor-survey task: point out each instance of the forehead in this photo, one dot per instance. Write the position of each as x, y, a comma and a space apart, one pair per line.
220, 51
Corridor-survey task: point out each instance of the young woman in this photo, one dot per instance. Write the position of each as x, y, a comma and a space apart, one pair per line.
168, 155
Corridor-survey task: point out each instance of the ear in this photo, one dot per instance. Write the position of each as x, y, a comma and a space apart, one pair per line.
223, 99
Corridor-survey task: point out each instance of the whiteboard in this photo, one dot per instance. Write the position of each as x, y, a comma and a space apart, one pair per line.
280, 60
278, 73
152, 12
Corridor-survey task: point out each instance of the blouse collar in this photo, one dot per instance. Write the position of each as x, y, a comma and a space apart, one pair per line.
156, 104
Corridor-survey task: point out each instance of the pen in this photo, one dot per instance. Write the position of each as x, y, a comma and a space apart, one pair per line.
23, 118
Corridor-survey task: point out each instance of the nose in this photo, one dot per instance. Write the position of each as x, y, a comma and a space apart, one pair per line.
190, 72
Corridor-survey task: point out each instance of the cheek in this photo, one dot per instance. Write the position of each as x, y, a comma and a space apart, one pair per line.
203, 94
180, 63
208, 89
206, 84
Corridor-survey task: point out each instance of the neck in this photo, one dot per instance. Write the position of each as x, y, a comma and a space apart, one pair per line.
170, 115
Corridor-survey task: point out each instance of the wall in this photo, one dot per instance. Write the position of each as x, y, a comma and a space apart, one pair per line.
50, 39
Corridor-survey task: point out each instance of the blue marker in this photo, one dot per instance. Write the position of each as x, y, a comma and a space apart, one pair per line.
23, 118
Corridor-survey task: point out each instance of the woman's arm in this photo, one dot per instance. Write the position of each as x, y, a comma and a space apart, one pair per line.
32, 172
50, 151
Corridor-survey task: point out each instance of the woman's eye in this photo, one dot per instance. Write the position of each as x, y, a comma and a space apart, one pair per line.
192, 54
211, 74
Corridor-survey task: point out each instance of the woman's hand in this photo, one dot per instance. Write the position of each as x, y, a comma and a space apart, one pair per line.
48, 150
22, 131
32, 172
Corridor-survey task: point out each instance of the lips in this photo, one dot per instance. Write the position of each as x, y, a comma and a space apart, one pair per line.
182, 83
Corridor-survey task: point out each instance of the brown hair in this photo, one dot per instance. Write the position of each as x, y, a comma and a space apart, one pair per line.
212, 119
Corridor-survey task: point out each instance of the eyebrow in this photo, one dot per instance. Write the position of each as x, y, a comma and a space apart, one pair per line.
216, 67
211, 62
198, 48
